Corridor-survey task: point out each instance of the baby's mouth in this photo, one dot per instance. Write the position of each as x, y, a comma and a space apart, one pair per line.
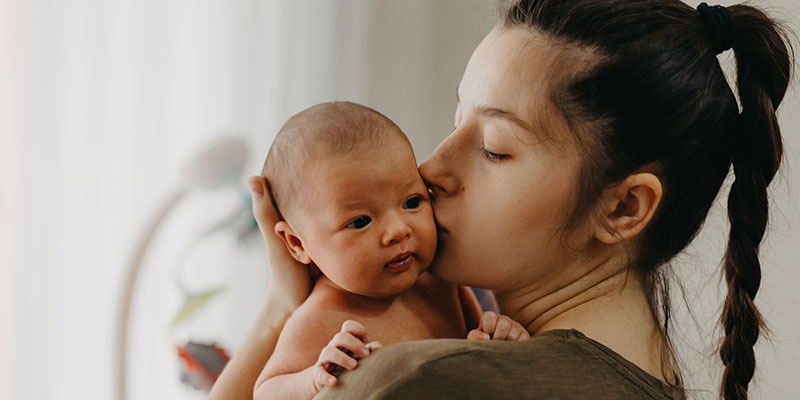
400, 263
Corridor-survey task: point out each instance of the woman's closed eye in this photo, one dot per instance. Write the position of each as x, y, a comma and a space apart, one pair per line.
413, 203
492, 156
359, 222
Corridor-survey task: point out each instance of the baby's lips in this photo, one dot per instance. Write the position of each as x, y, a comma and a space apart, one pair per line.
400, 256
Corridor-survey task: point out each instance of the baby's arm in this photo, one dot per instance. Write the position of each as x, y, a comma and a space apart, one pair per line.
498, 327
293, 373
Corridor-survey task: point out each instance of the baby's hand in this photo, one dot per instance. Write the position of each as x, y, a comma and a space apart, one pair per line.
498, 327
342, 353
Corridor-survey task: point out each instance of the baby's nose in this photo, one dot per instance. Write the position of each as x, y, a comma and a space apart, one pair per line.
396, 232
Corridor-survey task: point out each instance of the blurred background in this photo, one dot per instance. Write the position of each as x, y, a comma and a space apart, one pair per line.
104, 104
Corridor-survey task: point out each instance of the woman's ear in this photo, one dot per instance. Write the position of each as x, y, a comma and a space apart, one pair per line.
628, 207
293, 242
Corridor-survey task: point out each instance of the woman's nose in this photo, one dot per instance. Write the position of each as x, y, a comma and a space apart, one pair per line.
437, 171
396, 231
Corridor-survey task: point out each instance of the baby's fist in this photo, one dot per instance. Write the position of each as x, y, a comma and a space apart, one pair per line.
498, 327
342, 353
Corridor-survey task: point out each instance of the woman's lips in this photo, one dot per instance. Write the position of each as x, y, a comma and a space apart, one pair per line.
400, 263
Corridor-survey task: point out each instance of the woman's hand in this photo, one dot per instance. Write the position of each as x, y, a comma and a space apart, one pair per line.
342, 353
498, 327
290, 282
289, 287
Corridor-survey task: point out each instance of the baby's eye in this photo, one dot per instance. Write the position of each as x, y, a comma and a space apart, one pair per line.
412, 203
359, 222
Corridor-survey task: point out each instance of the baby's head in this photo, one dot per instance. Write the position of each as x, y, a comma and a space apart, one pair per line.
345, 181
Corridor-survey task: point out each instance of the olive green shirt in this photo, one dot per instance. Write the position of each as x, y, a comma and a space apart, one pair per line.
560, 364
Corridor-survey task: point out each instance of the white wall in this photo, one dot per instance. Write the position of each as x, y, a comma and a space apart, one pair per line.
103, 100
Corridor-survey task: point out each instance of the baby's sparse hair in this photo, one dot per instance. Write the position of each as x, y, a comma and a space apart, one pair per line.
324, 130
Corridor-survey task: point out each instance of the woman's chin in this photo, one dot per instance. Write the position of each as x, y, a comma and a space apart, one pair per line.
444, 269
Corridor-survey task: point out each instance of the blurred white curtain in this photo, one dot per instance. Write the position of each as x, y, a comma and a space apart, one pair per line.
107, 98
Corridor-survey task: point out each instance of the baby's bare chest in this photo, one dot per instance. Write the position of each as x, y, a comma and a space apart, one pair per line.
419, 315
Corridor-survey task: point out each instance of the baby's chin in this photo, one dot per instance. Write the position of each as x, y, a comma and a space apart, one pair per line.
390, 290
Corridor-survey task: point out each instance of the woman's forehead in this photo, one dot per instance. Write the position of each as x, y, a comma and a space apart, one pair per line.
507, 67
517, 70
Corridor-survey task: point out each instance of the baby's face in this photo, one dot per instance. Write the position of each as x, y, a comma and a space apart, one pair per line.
367, 220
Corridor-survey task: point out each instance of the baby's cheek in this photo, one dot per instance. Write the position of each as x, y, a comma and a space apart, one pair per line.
430, 241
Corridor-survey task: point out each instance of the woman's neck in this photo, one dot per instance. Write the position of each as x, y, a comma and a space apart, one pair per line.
608, 304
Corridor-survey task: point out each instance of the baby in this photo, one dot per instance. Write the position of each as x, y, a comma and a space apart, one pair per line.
345, 181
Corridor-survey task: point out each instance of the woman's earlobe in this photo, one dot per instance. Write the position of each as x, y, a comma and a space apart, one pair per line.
293, 242
629, 207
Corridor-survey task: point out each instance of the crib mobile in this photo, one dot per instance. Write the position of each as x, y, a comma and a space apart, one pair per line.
220, 163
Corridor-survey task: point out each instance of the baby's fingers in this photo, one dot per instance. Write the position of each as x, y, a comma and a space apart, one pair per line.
356, 329
322, 377
346, 341
488, 322
518, 333
498, 327
503, 328
477, 334
372, 346
331, 356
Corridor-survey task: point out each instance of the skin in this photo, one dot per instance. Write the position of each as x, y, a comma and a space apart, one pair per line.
380, 189
358, 215
504, 188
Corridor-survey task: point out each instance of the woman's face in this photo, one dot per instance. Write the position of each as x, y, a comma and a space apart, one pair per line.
504, 179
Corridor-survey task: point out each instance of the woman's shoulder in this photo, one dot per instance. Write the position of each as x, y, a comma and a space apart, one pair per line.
556, 364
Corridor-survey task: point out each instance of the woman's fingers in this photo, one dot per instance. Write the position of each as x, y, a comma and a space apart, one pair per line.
290, 281
263, 210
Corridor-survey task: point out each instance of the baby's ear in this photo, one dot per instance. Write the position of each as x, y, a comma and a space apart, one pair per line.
293, 242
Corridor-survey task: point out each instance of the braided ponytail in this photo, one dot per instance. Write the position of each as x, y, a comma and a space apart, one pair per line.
764, 67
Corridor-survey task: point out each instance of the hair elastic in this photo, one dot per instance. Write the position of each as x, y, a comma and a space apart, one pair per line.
718, 20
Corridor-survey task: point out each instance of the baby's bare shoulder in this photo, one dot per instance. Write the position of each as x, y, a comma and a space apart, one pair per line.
306, 332
324, 311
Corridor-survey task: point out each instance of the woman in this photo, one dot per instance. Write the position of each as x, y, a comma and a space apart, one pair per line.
590, 139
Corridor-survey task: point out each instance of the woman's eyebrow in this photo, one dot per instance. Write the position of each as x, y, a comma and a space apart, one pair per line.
494, 112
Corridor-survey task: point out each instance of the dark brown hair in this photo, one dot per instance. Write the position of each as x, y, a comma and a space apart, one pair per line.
657, 98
